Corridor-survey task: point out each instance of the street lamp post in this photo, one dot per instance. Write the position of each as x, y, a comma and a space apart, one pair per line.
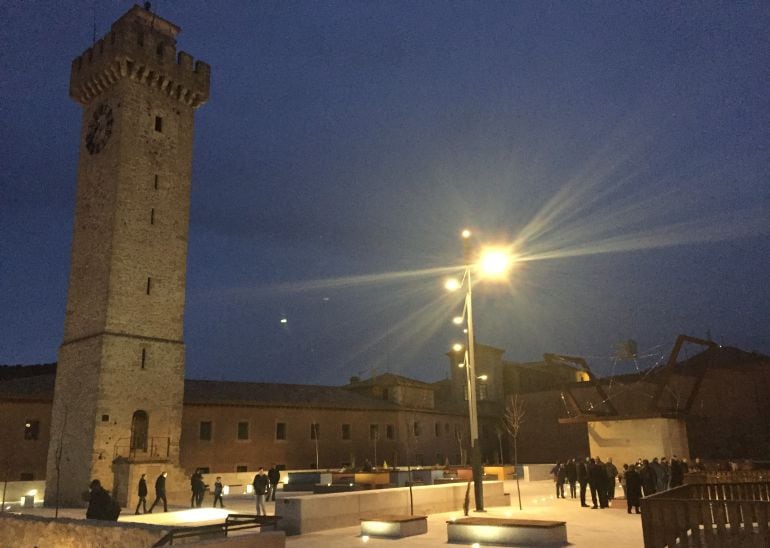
478, 484
494, 263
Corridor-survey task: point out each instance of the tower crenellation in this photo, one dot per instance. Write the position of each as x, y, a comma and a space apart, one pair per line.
131, 50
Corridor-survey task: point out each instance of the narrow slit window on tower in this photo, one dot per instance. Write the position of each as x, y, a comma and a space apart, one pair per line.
156, 182
144, 357
158, 124
149, 284
152, 216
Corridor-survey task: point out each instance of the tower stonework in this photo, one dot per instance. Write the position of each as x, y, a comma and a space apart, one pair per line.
120, 373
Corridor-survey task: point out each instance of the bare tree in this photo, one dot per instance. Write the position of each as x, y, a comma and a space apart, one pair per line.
315, 431
513, 419
459, 438
499, 433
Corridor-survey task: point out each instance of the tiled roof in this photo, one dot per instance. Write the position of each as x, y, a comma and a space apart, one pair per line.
390, 379
278, 395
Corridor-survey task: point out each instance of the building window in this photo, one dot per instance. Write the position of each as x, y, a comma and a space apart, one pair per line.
417, 429
205, 431
241, 468
482, 390
345, 431
149, 284
315, 431
31, 429
156, 182
203, 469
280, 430
144, 357
26, 476
158, 124
390, 432
152, 216
374, 431
438, 429
105, 418
243, 430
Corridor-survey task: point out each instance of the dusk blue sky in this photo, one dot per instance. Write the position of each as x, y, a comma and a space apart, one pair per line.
625, 147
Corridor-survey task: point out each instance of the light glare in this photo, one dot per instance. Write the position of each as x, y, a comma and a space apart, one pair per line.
495, 263
452, 284
457, 347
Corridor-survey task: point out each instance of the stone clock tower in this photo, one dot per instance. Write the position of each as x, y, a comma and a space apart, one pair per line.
117, 405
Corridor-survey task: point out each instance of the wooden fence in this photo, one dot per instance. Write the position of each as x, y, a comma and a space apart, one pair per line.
708, 515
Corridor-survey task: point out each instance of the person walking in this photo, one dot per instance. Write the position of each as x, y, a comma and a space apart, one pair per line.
160, 492
633, 487
273, 477
571, 470
218, 489
141, 491
260, 489
582, 478
622, 478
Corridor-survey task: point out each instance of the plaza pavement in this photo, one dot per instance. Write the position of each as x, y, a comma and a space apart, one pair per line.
586, 528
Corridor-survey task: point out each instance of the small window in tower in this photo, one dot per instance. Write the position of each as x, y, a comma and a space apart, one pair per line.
390, 432
156, 182
158, 124
31, 429
105, 418
152, 216
149, 285
280, 430
26, 476
205, 431
241, 468
144, 357
345, 431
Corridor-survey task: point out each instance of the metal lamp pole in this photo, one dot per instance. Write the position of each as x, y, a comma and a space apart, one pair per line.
478, 485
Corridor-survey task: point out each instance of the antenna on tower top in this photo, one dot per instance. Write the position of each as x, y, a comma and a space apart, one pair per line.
93, 14
147, 6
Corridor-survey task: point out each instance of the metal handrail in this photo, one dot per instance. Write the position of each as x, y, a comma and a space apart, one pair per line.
233, 522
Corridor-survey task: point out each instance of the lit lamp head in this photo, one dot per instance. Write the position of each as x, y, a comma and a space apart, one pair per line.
495, 263
452, 284
457, 347
457, 320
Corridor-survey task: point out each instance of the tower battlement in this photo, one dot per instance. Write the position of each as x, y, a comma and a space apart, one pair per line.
142, 47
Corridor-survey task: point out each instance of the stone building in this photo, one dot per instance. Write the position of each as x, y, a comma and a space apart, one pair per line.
120, 374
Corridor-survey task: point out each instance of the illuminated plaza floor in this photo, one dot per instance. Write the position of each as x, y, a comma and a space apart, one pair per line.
586, 528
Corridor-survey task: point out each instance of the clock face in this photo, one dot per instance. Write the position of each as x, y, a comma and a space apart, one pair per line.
99, 129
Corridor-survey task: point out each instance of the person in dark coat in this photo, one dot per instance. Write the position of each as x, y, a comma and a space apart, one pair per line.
260, 484
195, 482
677, 472
571, 470
160, 492
100, 503
582, 477
142, 492
649, 478
597, 481
218, 490
633, 487
273, 477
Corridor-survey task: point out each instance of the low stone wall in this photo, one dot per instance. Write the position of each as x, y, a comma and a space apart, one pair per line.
308, 513
25, 530
538, 472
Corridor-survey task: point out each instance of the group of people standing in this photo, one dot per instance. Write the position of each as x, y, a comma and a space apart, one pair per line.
600, 479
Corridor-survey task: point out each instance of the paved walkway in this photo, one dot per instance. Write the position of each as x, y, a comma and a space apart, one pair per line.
586, 528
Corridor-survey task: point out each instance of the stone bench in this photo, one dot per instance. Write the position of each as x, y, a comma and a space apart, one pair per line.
508, 532
394, 526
